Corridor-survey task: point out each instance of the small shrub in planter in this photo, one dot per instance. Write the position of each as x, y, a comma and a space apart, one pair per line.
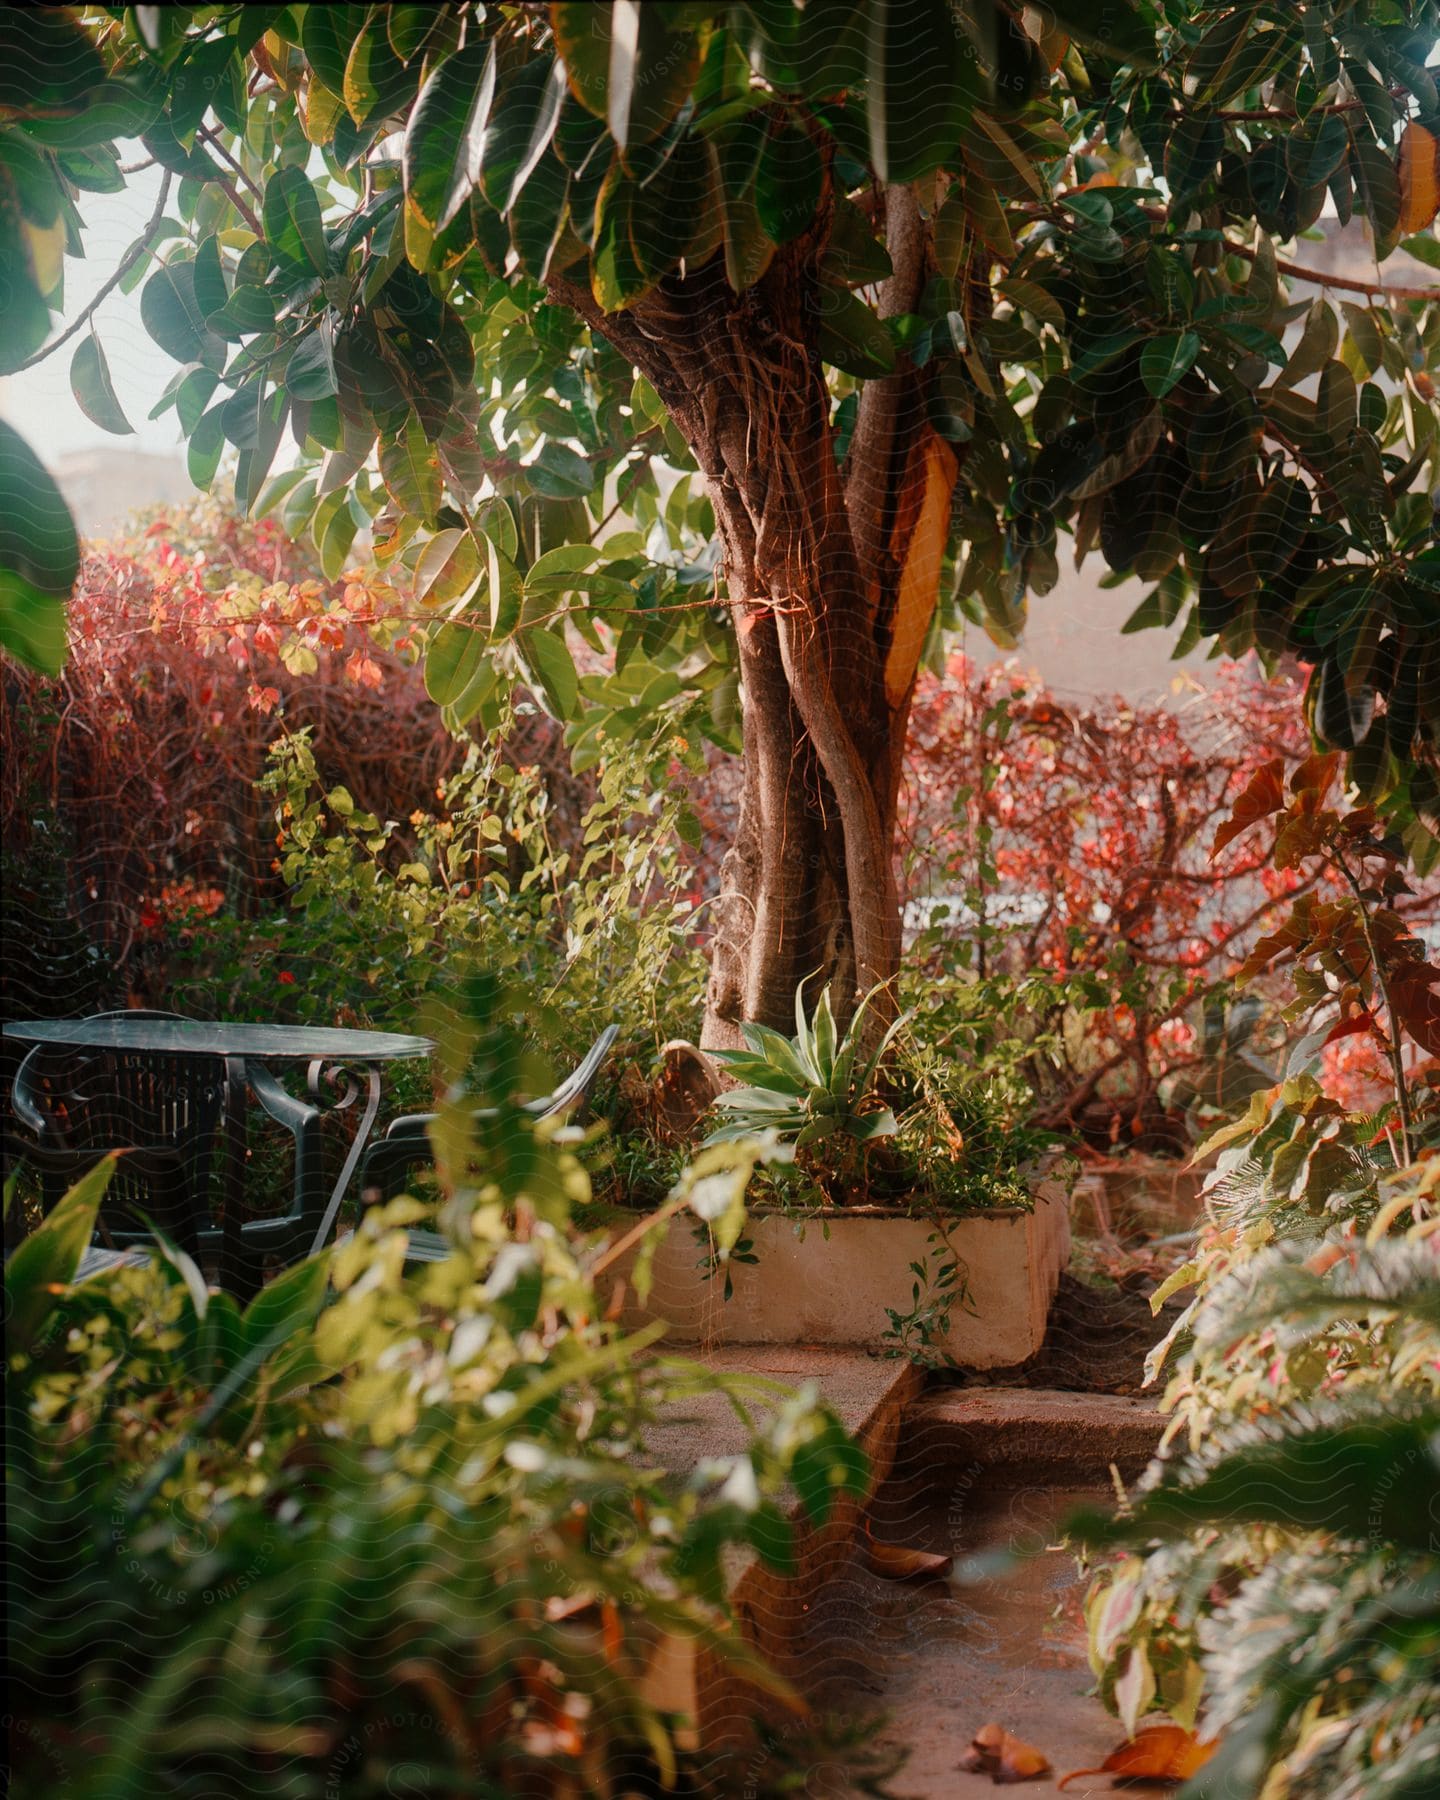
886, 1225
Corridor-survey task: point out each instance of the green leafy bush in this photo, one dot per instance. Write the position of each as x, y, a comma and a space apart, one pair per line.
386, 1519
383, 912
1290, 1572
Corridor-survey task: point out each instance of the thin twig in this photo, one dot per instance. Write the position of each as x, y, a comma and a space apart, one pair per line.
127, 262
232, 193
1349, 283
212, 138
1397, 1066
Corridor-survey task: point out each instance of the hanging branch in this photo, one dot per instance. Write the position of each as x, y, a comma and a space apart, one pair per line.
1351, 284
127, 262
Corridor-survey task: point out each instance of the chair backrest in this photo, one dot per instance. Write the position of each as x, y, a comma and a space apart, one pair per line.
106, 1099
576, 1086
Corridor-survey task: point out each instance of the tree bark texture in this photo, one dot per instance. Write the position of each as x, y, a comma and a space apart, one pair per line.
832, 576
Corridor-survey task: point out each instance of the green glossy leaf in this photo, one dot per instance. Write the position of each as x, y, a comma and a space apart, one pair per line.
920, 88
787, 183
497, 521
582, 38
333, 532
850, 336
1164, 360
96, 170
248, 310
253, 465
202, 82
211, 288
455, 656
1377, 187
39, 557
277, 491
734, 154
537, 216
192, 396
1117, 30
506, 592
48, 63
618, 277
1191, 153
561, 472
557, 571
447, 568
122, 107
310, 372
376, 82
326, 35
445, 138
408, 27
410, 469
293, 225
521, 124
49, 1257
550, 671
172, 315
652, 68
207, 446
94, 391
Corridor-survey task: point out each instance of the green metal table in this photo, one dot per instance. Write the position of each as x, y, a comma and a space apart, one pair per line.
352, 1059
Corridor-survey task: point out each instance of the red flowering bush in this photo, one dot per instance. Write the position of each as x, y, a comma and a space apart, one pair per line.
194, 645
1074, 842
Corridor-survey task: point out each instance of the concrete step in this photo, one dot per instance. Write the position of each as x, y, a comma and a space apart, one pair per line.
1027, 1436
869, 1395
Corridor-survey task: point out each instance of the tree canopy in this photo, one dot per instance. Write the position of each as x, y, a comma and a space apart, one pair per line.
500, 273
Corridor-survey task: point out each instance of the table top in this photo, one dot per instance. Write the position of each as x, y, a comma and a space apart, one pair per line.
219, 1037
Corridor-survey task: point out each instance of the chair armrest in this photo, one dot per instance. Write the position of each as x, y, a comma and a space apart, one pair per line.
571, 1092
23, 1101
410, 1125
575, 1089
282, 1106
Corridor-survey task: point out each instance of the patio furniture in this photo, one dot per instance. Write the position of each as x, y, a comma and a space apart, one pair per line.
74, 1105
229, 1064
406, 1143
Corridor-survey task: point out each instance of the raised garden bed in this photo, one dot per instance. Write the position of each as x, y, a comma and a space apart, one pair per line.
847, 1277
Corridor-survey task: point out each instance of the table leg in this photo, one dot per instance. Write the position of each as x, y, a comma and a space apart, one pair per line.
352, 1160
239, 1270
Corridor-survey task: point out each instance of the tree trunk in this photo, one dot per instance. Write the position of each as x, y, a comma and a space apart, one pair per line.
832, 576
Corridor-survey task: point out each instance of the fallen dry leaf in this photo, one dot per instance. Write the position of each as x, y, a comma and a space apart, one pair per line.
1003, 1757
898, 1563
1158, 1753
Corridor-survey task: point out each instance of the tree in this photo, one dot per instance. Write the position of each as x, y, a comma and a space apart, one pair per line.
911, 284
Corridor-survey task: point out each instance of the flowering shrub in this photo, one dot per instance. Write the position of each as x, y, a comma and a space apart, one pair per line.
1066, 851
194, 645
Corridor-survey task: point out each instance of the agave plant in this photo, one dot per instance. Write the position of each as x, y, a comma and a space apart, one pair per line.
812, 1086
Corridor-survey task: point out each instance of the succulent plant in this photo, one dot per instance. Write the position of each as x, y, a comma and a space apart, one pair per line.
812, 1086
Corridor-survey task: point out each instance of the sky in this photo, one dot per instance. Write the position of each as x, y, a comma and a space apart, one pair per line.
38, 401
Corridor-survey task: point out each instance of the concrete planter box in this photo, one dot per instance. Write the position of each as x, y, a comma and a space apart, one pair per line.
838, 1289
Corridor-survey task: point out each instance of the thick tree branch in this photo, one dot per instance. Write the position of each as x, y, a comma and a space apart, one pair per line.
878, 446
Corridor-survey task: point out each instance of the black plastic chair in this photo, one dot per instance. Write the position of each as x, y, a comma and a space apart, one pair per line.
406, 1143
73, 1106
166, 1112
